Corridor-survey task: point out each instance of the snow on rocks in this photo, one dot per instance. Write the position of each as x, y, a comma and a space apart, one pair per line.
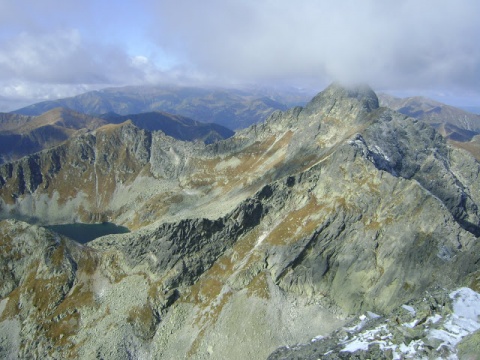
432, 327
446, 334
410, 309
463, 321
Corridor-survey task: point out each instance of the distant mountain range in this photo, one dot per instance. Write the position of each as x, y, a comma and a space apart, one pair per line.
179, 127
471, 109
233, 109
238, 109
453, 123
22, 135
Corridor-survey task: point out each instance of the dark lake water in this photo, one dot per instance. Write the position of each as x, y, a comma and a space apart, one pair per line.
84, 233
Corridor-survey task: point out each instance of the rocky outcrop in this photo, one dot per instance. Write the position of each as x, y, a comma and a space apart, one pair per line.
188, 248
413, 150
57, 184
442, 325
39, 269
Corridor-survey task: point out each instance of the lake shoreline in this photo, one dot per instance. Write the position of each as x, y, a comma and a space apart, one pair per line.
85, 232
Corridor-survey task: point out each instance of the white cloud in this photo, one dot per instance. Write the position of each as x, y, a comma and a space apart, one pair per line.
63, 57
62, 46
385, 43
61, 63
15, 95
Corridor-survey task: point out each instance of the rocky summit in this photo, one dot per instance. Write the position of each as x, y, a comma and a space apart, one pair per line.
341, 222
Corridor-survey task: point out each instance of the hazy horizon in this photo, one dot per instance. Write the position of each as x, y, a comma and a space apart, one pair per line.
56, 49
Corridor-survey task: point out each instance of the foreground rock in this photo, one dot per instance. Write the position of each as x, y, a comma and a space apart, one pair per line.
439, 326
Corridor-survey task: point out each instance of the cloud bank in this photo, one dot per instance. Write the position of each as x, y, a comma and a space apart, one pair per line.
388, 43
58, 48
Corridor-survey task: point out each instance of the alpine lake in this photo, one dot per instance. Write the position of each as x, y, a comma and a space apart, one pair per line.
83, 233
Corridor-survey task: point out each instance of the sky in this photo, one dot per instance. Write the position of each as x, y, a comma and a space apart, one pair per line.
57, 48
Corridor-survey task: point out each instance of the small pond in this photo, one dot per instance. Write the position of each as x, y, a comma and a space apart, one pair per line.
84, 233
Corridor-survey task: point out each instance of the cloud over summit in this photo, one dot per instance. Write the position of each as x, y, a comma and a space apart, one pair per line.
421, 45
385, 42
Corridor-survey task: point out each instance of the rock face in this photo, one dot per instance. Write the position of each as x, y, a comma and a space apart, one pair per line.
272, 237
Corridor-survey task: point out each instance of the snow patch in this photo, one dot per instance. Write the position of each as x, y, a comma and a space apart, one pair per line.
411, 324
363, 321
379, 335
318, 338
3, 304
372, 315
230, 163
355, 345
410, 309
434, 319
464, 320
409, 350
466, 304
380, 152
262, 237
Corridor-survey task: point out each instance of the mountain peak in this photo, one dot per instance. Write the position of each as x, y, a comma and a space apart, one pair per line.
363, 95
336, 91
349, 103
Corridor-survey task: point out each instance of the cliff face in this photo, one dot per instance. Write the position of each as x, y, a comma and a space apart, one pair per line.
272, 237
73, 181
